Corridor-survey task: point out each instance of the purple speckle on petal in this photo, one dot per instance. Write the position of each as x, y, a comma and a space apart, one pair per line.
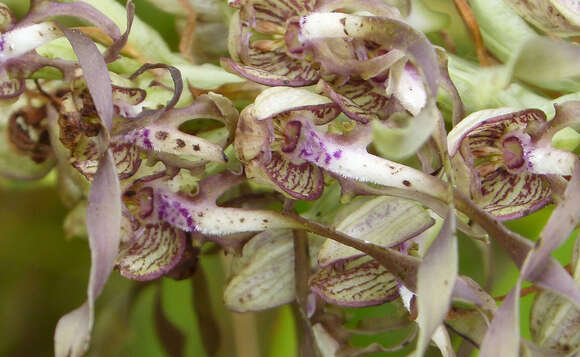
175, 213
327, 158
337, 154
146, 141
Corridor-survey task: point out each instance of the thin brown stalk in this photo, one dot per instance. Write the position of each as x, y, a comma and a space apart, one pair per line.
187, 41
301, 275
471, 23
524, 292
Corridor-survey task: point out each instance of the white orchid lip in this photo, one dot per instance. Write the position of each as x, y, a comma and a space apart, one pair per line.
551, 161
323, 25
18, 41
278, 100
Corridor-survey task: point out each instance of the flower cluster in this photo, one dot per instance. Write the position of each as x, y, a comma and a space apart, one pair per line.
342, 183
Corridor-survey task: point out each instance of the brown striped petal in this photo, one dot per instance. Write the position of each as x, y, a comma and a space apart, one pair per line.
358, 99
28, 133
357, 282
156, 249
303, 181
509, 196
11, 89
274, 11
126, 158
272, 69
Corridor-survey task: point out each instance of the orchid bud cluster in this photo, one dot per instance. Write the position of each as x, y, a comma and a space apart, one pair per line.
344, 182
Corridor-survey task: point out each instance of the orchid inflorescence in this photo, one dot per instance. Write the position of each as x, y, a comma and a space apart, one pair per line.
391, 145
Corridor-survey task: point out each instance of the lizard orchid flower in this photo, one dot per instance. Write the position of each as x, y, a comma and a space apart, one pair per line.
501, 156
150, 247
281, 145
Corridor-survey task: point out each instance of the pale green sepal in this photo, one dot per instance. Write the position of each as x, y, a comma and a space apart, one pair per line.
264, 274
555, 323
399, 143
481, 88
358, 282
424, 19
277, 100
385, 221
543, 60
206, 76
501, 28
566, 139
